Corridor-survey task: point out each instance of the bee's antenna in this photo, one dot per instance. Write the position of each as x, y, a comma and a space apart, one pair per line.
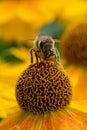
56, 40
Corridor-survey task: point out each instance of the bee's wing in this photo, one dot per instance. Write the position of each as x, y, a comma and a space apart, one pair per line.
30, 39
56, 40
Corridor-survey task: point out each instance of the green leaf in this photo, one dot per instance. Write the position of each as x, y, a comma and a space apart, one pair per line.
4, 45
27, 46
9, 57
6, 54
54, 29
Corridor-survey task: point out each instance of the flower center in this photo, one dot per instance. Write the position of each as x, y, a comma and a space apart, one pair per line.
43, 87
74, 45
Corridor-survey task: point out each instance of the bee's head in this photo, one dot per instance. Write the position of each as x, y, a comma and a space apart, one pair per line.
44, 42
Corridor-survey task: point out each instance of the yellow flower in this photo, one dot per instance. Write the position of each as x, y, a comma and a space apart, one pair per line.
74, 44
16, 30
79, 76
39, 12
75, 51
35, 12
43, 93
70, 11
43, 106
7, 10
8, 77
22, 19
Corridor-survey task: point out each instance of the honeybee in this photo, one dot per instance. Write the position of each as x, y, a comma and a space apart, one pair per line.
44, 49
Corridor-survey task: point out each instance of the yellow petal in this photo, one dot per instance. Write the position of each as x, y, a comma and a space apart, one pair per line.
84, 127
81, 87
7, 10
59, 122
81, 105
21, 53
12, 121
38, 12
79, 82
17, 30
21, 120
46, 123
71, 12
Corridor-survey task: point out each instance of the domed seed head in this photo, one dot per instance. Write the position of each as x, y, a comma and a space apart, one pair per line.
43, 87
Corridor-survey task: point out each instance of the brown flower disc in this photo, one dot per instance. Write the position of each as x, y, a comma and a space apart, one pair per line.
43, 87
74, 44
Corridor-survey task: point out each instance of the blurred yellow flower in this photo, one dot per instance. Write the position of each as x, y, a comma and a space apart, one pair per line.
22, 19
7, 10
74, 10
16, 30
80, 86
8, 77
38, 12
74, 49
28, 11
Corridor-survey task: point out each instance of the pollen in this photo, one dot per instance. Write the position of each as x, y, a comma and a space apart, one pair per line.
75, 44
43, 87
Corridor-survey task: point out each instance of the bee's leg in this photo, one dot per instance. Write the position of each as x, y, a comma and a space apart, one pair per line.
36, 56
31, 55
40, 58
57, 58
56, 61
57, 55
